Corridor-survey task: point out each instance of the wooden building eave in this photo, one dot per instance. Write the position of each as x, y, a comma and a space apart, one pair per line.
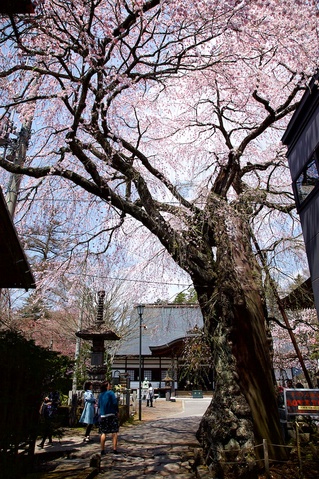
15, 7
15, 271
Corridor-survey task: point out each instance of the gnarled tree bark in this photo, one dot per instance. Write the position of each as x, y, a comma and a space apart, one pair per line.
244, 410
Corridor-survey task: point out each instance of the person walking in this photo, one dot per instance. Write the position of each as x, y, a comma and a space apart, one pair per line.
87, 416
150, 396
145, 386
48, 413
108, 412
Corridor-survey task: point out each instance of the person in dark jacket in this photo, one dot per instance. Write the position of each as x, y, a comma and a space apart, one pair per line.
48, 413
108, 412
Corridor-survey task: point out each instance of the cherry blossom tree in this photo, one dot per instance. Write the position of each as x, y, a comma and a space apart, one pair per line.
304, 324
169, 114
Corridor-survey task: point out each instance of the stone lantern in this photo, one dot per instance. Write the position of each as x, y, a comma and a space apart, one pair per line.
168, 381
168, 386
98, 334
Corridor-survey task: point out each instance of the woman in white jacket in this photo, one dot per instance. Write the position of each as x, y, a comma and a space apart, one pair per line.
87, 415
150, 396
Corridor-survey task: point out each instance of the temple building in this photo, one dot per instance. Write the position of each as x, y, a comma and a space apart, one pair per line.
302, 139
165, 331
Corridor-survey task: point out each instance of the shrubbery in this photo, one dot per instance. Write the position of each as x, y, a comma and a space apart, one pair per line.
27, 371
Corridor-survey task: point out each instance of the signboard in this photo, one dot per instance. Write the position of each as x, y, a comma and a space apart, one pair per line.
302, 402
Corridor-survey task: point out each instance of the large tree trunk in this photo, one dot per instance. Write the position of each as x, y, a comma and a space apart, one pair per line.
244, 409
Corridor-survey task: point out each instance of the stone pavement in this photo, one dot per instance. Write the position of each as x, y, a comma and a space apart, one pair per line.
162, 444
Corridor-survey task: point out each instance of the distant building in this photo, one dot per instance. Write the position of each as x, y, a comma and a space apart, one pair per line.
165, 328
302, 140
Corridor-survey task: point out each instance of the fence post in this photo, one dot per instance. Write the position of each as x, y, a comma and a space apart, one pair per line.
266, 459
298, 449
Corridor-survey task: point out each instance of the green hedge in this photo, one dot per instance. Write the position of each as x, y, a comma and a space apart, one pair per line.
27, 372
